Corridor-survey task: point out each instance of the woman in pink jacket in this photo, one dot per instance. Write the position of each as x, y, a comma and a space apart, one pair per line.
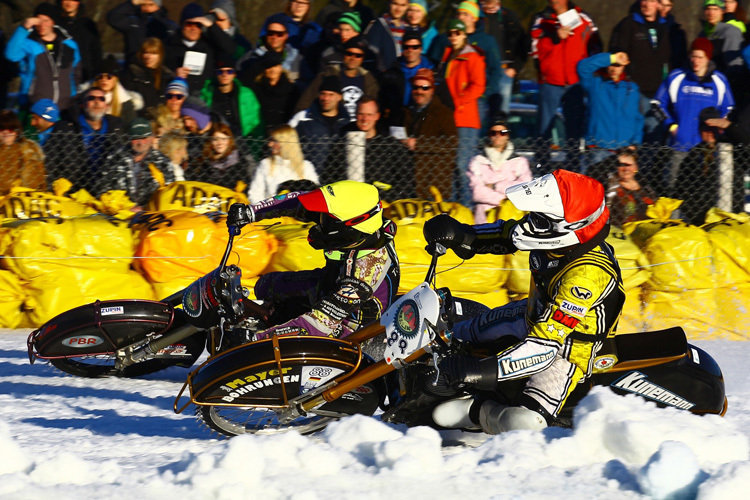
491, 173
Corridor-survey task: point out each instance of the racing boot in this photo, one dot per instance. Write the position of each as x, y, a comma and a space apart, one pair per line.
455, 414
495, 418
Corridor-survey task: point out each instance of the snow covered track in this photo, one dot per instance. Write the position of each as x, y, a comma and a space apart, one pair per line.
66, 438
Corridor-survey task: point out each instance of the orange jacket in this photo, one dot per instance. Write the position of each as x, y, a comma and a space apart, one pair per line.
466, 81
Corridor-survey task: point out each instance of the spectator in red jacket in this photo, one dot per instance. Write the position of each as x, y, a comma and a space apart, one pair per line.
557, 46
463, 68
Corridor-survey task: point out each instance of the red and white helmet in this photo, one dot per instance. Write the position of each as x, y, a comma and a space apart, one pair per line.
565, 209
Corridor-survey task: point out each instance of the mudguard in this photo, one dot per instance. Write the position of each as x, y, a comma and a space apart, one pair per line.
263, 374
661, 367
99, 328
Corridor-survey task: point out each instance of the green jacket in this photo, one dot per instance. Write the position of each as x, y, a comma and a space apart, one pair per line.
248, 107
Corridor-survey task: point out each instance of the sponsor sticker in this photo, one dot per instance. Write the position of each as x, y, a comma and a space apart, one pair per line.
604, 363
574, 309
565, 319
581, 293
637, 383
83, 341
407, 319
109, 311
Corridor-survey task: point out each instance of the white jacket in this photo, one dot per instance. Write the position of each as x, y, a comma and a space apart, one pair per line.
265, 184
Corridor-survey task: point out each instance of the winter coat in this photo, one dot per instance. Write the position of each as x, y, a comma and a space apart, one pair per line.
505, 27
248, 107
465, 79
86, 34
557, 58
491, 174
395, 90
136, 26
249, 66
212, 41
380, 37
728, 41
140, 79
268, 177
649, 59
614, 118
683, 95
487, 47
316, 133
119, 173
434, 154
22, 165
41, 76
626, 205
276, 101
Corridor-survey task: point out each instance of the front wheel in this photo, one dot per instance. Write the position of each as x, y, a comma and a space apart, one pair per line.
233, 421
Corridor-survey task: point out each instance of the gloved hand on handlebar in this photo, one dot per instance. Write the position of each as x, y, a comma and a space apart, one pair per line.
460, 370
240, 215
450, 233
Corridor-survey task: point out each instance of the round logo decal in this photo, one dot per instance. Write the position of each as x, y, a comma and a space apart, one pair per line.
603, 363
407, 319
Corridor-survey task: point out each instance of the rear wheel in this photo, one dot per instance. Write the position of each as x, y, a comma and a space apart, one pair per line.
234, 420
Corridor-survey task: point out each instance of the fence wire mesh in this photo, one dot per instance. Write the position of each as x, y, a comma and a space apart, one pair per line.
704, 176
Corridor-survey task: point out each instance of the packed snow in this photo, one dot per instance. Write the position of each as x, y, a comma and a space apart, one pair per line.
64, 437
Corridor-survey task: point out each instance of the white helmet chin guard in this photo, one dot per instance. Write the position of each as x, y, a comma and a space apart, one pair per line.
562, 208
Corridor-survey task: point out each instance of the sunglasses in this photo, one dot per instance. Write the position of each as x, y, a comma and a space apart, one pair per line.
422, 87
193, 24
493, 133
179, 97
225, 71
104, 75
354, 54
626, 164
275, 33
412, 47
99, 98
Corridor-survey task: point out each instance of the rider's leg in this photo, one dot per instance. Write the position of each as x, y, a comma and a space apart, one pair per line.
456, 414
492, 325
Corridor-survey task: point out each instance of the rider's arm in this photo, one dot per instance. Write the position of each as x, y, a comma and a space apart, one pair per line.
468, 240
287, 205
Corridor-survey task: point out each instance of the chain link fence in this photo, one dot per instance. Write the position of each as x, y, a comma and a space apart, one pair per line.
705, 176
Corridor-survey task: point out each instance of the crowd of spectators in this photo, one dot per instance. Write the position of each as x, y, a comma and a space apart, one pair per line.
388, 99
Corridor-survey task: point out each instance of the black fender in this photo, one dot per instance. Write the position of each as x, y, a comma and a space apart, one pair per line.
103, 327
255, 374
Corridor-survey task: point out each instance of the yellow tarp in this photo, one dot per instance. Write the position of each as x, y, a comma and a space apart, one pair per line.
195, 196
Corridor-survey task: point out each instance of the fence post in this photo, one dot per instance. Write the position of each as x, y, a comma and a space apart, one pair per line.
726, 176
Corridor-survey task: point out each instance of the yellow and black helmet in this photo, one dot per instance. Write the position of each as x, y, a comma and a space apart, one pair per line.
350, 211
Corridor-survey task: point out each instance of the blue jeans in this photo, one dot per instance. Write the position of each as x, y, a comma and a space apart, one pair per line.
570, 98
467, 148
505, 88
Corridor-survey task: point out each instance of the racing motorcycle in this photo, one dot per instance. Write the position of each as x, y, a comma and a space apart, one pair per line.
305, 382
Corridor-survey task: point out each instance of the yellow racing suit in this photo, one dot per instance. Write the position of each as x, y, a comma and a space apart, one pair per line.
574, 303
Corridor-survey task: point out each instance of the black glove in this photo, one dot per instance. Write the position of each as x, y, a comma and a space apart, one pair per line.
450, 233
240, 215
480, 373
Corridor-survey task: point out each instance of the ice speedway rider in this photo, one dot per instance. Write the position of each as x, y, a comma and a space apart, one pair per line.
361, 274
575, 301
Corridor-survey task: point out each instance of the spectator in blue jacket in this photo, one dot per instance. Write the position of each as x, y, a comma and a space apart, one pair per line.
303, 32
386, 32
50, 60
613, 117
685, 93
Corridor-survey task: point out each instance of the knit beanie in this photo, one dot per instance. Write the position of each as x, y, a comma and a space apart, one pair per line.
178, 85
197, 109
330, 83
470, 7
49, 10
419, 4
353, 19
190, 11
705, 45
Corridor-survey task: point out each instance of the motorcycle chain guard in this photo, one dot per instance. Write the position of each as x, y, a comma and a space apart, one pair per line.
99, 328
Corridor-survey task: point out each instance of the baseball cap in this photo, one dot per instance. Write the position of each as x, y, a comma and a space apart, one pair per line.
456, 24
47, 109
139, 128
